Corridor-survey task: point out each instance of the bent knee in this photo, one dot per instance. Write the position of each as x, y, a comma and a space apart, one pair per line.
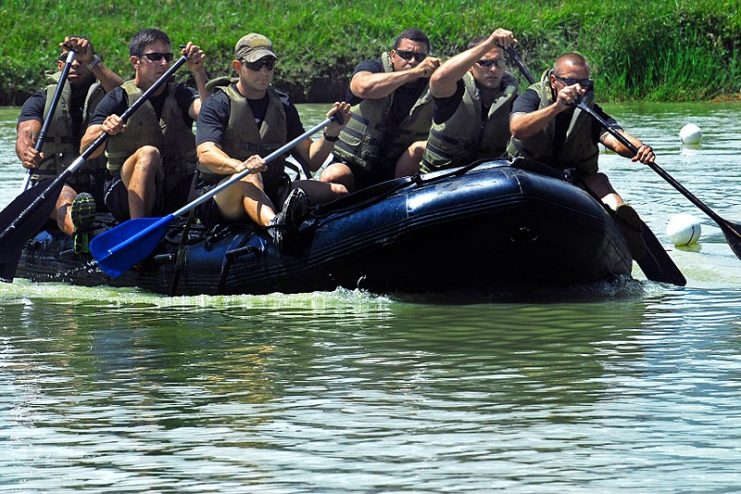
149, 154
339, 190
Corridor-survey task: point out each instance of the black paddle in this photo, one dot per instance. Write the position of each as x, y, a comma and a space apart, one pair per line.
730, 230
52, 108
656, 263
28, 212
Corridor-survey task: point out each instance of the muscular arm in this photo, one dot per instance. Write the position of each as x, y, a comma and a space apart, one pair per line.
370, 85
28, 130
216, 160
316, 153
195, 107
107, 78
523, 125
644, 155
196, 58
443, 81
92, 133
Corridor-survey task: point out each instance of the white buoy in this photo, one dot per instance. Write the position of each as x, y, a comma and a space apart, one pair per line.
683, 229
690, 134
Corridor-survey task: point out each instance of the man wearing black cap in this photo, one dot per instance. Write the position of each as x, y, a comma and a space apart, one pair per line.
246, 120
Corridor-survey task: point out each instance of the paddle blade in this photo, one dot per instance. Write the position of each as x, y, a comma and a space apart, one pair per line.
732, 231
20, 221
656, 264
120, 248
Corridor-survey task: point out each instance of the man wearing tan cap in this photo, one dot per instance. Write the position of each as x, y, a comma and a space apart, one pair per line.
248, 119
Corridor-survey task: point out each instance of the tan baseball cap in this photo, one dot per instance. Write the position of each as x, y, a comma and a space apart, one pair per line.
252, 47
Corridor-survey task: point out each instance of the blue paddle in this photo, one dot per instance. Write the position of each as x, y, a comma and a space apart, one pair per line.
52, 108
121, 247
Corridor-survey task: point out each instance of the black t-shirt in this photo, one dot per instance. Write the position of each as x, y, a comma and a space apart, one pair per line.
117, 102
404, 97
529, 101
214, 117
33, 109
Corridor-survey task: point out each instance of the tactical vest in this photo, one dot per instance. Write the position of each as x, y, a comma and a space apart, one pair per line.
578, 150
242, 138
368, 141
62, 144
465, 136
169, 134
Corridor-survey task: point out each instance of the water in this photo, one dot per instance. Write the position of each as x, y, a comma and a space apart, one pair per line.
107, 389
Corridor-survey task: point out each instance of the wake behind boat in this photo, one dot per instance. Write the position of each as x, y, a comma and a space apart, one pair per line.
480, 228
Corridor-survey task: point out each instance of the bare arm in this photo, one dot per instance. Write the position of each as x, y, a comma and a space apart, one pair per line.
316, 152
195, 65
216, 160
645, 153
371, 85
112, 125
92, 133
85, 54
523, 125
25, 143
444, 81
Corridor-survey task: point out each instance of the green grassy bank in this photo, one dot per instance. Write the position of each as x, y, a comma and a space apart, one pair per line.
661, 50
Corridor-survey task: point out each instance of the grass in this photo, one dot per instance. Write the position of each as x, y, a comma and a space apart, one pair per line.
662, 50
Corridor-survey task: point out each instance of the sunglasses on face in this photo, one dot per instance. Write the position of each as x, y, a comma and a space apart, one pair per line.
492, 63
157, 56
408, 55
570, 81
269, 63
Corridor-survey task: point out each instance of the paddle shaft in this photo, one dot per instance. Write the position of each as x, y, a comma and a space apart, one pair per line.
52, 108
660, 171
238, 176
518, 61
114, 259
52, 190
730, 230
656, 264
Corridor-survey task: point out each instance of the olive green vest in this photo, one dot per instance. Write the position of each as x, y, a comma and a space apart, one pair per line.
577, 151
61, 144
169, 134
242, 137
466, 136
368, 141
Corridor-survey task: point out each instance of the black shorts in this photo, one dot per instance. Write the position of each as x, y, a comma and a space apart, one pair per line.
93, 183
208, 212
365, 178
117, 197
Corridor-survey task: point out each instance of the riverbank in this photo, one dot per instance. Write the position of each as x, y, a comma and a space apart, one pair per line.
665, 50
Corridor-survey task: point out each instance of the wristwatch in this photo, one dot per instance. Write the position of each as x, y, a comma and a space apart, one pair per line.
95, 61
330, 138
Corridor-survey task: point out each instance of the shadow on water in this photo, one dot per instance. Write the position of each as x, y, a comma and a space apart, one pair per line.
257, 350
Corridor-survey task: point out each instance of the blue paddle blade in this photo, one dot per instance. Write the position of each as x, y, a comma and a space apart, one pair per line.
120, 248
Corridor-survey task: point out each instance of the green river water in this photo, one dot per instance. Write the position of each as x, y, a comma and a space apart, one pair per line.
629, 390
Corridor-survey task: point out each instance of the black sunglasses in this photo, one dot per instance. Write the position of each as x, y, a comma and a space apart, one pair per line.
489, 63
263, 62
570, 81
408, 55
157, 56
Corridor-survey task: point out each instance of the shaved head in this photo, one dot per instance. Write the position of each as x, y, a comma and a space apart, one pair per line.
568, 62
